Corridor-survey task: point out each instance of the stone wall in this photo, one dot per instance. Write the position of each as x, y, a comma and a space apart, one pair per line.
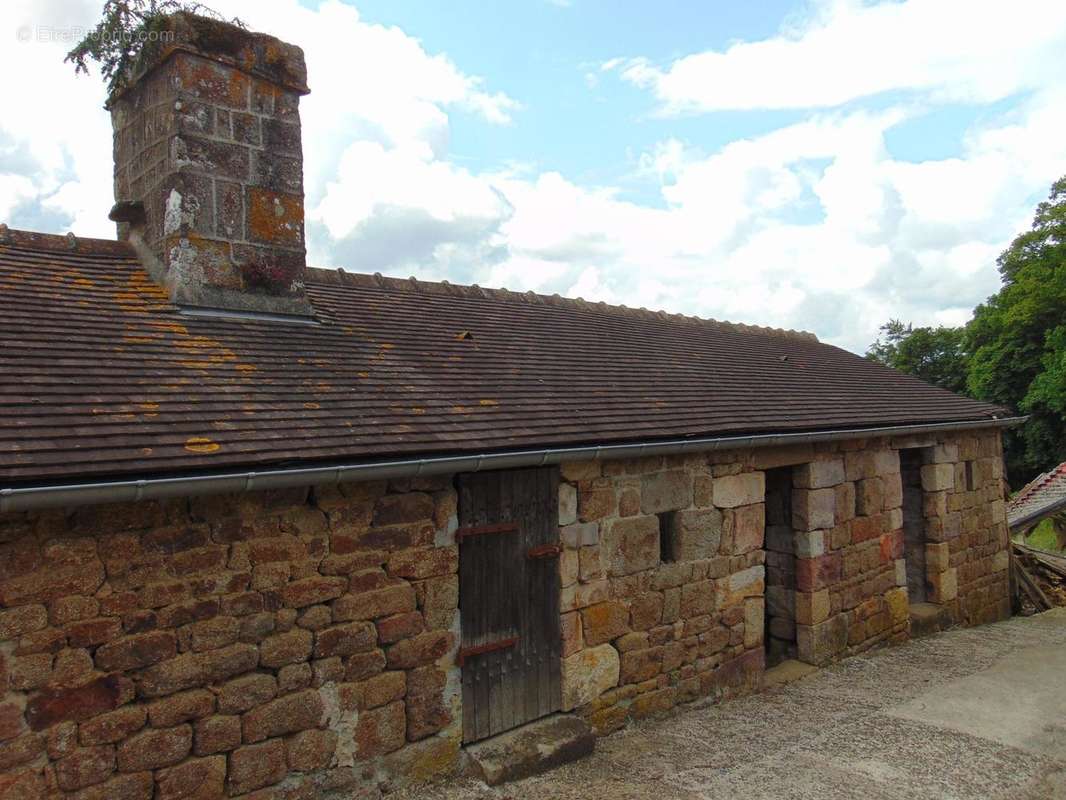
284, 645
643, 632
302, 640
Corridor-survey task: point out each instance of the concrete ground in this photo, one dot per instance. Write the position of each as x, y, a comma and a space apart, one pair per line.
976, 713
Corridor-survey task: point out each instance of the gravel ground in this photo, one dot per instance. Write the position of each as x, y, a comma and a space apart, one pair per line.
972, 713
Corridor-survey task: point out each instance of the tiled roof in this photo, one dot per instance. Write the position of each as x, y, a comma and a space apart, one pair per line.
102, 376
1043, 496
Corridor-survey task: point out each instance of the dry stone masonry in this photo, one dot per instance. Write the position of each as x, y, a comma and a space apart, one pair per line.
297, 640
299, 644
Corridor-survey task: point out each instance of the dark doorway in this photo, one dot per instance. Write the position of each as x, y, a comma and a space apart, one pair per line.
910, 464
508, 598
780, 634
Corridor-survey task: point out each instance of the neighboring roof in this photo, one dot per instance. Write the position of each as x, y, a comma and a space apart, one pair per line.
103, 377
1041, 497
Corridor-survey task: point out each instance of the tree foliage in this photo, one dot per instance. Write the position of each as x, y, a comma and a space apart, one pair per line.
1013, 351
130, 30
1018, 339
936, 355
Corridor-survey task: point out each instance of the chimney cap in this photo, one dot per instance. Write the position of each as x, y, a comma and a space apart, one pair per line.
258, 54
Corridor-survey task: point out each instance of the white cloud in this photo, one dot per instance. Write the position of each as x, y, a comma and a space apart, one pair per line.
957, 50
815, 225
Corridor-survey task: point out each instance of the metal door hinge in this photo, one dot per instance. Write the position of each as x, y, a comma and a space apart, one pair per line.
482, 530
481, 649
545, 551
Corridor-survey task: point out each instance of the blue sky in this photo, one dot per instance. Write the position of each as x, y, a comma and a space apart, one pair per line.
822, 165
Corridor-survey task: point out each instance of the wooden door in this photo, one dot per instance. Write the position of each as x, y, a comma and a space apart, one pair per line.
508, 598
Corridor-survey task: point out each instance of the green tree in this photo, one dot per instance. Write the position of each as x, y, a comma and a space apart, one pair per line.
936, 355
1017, 340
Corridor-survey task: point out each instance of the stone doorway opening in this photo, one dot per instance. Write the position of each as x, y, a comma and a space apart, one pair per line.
780, 543
910, 465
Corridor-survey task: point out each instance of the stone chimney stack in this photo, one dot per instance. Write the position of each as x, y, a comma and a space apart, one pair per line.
209, 167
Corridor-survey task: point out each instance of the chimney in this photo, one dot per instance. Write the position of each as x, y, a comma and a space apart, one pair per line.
209, 167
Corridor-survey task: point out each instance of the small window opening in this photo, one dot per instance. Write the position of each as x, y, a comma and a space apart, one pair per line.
667, 551
970, 481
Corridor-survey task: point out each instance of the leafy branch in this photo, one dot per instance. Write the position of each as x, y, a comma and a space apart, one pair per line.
130, 31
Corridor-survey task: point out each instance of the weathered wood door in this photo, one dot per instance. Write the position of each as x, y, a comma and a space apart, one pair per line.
508, 598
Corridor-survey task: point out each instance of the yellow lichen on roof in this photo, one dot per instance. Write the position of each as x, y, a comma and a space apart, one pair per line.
201, 444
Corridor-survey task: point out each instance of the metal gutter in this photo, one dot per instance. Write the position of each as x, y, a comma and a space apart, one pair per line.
122, 491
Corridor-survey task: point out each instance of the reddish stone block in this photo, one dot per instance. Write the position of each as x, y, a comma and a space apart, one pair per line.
425, 680
310, 750
640, 665
135, 786
188, 612
15, 622
380, 730
813, 574
246, 692
61, 739
366, 580
311, 591
423, 563
866, 528
388, 537
241, 604
30, 672
400, 626
84, 767
53, 582
400, 509
113, 726
426, 715
71, 668
182, 707
345, 640
48, 640
25, 784
216, 735
290, 647
419, 650
382, 689
80, 703
646, 611
255, 766
135, 652
363, 665
88, 633
196, 669
152, 749
396, 599
11, 721
891, 546
294, 712
196, 779
21, 750
604, 621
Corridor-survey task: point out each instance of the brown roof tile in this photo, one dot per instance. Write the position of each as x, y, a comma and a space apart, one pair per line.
102, 376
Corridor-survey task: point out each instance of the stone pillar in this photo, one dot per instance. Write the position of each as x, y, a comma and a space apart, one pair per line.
207, 142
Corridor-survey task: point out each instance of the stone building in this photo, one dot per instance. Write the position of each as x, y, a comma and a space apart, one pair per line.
277, 532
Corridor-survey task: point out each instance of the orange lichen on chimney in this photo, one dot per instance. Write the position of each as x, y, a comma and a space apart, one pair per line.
274, 217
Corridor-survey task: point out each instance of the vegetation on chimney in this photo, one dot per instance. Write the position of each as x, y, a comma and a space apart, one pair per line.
129, 32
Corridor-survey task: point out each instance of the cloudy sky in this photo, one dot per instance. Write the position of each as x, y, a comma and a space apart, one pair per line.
813, 165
